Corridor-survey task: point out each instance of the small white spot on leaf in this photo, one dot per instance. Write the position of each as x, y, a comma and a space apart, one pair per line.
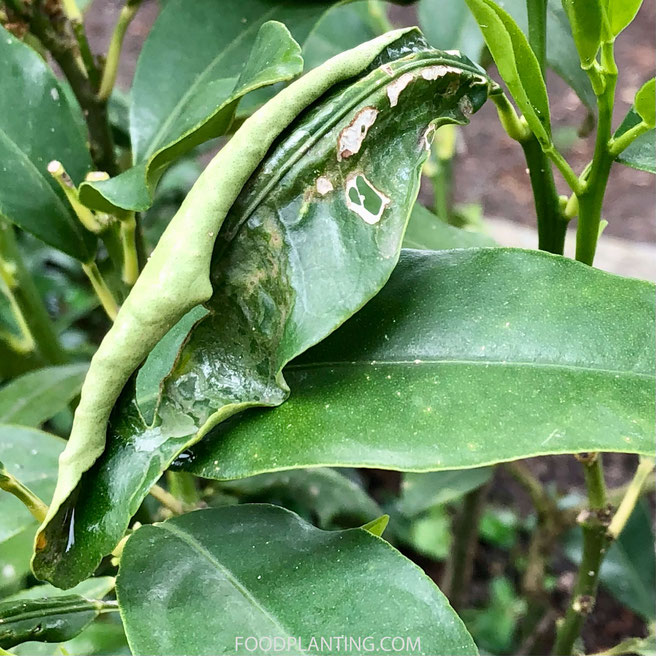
54, 94
394, 88
455, 53
351, 137
364, 199
324, 185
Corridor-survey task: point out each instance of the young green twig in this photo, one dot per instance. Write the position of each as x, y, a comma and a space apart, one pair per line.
128, 12
633, 492
10, 484
594, 522
27, 302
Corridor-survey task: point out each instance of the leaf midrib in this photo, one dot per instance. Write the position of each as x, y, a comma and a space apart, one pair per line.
196, 546
420, 361
177, 109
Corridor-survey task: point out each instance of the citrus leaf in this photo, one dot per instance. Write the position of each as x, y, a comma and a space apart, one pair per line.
35, 397
517, 64
586, 19
47, 620
449, 25
562, 56
343, 26
94, 588
466, 358
323, 195
645, 102
421, 492
328, 496
37, 125
427, 231
621, 13
98, 639
641, 154
31, 456
269, 574
223, 53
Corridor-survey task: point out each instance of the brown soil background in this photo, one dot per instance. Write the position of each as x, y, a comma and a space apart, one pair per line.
491, 169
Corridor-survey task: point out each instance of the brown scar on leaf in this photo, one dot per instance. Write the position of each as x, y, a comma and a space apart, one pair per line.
351, 137
324, 185
388, 69
465, 106
394, 88
369, 209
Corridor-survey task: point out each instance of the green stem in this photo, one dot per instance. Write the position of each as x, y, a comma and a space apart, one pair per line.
128, 12
459, 569
633, 492
12, 485
594, 523
58, 36
28, 300
552, 223
183, 486
167, 499
622, 142
441, 180
103, 292
537, 29
592, 197
129, 247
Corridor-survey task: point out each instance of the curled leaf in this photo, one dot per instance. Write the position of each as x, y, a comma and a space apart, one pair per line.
313, 234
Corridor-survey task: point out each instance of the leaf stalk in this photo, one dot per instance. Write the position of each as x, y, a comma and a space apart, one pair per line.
108, 80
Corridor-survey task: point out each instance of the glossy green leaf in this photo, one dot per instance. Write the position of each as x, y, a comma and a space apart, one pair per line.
420, 492
586, 19
269, 574
641, 154
427, 231
621, 13
33, 398
37, 125
15, 560
342, 27
449, 25
449, 367
31, 456
330, 498
377, 526
47, 620
312, 236
562, 56
98, 639
645, 102
516, 62
629, 568
94, 588
188, 82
